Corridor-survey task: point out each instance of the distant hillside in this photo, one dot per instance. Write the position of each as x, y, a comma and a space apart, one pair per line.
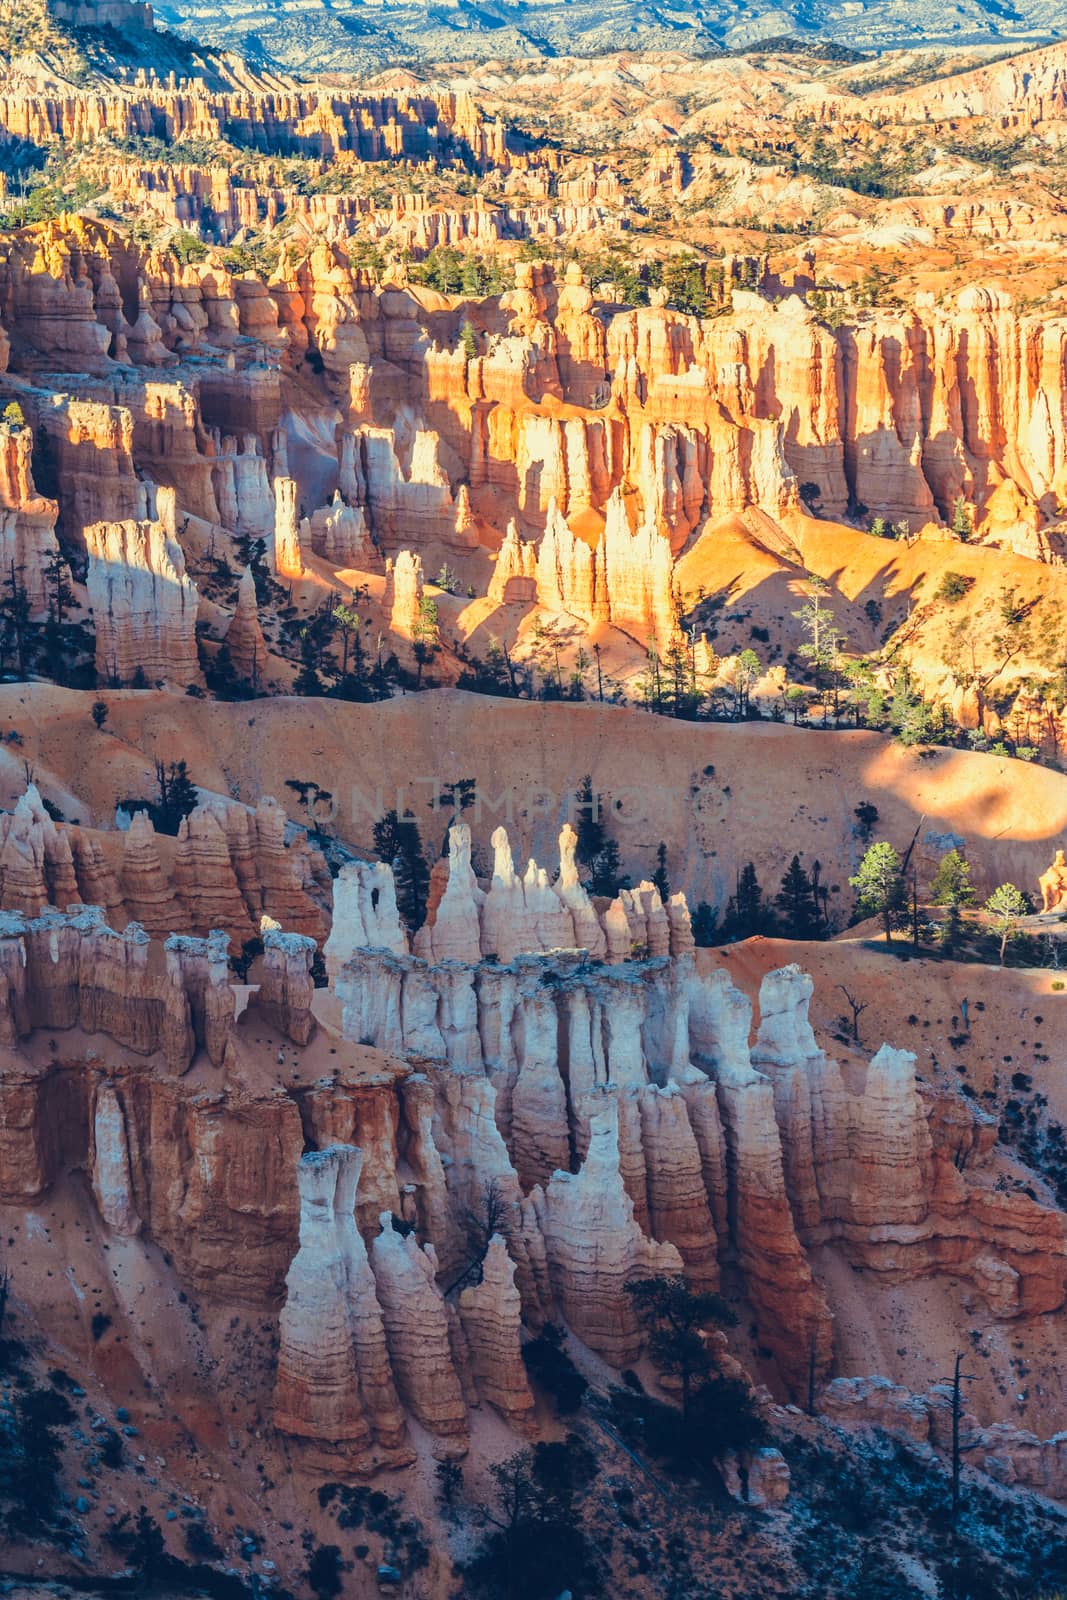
347, 34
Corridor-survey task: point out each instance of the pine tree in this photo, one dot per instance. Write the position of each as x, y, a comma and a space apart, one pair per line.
659, 877
962, 525
880, 887
15, 617
588, 823
348, 620
606, 871
952, 881
952, 888
866, 816
397, 841
821, 896
177, 796
307, 681
796, 902
746, 672
222, 676
1006, 905
650, 683
821, 646
796, 699
354, 682
747, 912
676, 1319
684, 695
426, 635
60, 594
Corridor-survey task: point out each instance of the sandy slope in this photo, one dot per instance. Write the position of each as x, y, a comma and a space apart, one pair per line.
718, 794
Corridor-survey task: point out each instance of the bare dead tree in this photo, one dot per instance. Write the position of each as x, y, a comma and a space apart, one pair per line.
857, 1007
491, 1215
959, 1378
813, 1359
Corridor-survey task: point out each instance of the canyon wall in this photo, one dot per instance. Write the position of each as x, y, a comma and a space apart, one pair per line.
610, 1115
579, 450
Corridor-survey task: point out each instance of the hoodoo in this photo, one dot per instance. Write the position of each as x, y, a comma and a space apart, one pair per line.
532, 720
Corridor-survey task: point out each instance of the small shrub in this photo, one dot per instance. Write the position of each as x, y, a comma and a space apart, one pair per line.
199, 1543
549, 1365
324, 1571
953, 588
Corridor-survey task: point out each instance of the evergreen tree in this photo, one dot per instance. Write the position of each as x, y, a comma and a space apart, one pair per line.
952, 881
576, 678
307, 681
1006, 905
426, 636
60, 594
866, 816
747, 912
397, 841
348, 621
355, 684
650, 683
746, 672
177, 796
962, 525
384, 674
880, 887
588, 823
820, 894
594, 850
866, 697
685, 697
15, 618
912, 719
705, 925
222, 676
468, 340
796, 699
796, 902
55, 641
659, 877
952, 888
821, 646
606, 876
315, 802
676, 1319
253, 553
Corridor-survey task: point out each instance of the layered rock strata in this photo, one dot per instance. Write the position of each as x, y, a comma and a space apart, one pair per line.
334, 1386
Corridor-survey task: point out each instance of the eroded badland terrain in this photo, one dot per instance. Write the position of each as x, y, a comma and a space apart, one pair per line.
533, 640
